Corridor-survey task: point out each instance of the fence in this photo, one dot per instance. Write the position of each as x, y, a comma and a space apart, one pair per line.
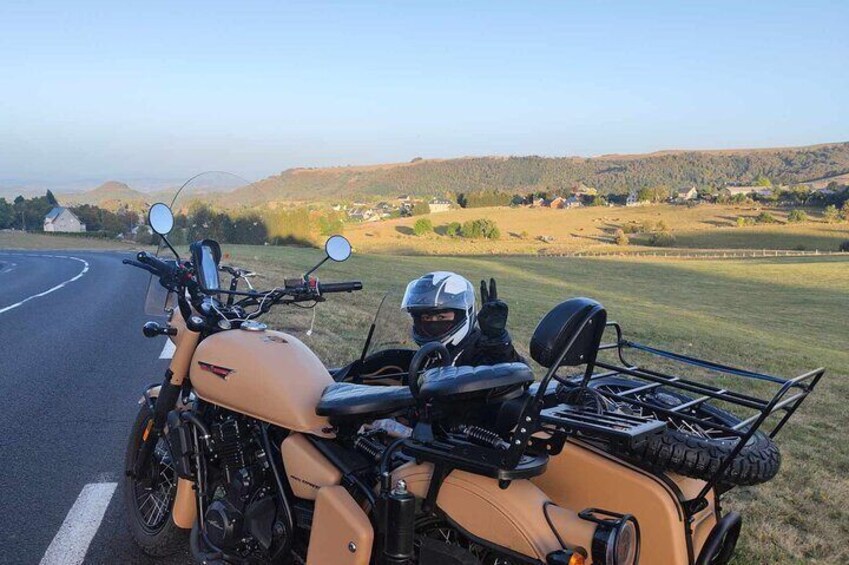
702, 253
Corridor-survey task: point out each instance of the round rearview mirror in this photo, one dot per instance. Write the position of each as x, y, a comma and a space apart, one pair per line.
338, 248
160, 218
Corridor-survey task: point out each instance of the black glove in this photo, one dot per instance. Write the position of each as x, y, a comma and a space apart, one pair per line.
492, 317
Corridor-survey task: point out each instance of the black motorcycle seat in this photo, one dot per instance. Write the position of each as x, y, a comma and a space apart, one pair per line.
443, 382
350, 399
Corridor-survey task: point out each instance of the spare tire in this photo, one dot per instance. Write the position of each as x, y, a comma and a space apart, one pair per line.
696, 453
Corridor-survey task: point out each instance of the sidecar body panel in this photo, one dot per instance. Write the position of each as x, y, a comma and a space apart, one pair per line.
582, 477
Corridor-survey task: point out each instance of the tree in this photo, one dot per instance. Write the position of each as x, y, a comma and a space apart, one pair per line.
831, 215
765, 218
7, 215
481, 228
453, 229
761, 180
845, 211
422, 226
620, 238
420, 209
51, 199
662, 239
797, 217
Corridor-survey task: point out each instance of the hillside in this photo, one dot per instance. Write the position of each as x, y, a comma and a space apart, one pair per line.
608, 173
108, 192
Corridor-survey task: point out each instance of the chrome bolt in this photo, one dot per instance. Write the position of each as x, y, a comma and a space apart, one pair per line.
352, 547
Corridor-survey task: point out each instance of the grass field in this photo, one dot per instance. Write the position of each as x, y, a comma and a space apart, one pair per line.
18, 240
780, 315
591, 229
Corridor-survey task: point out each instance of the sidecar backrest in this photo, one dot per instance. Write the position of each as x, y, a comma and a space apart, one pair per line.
456, 383
563, 323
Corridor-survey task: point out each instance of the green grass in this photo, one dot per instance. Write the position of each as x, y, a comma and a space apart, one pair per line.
784, 316
20, 240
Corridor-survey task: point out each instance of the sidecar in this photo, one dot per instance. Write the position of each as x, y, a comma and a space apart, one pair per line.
681, 519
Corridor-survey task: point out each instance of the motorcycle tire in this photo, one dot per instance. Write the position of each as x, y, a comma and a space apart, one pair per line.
694, 456
160, 537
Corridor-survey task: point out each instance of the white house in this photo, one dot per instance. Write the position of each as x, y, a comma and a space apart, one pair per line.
60, 219
687, 194
572, 202
439, 205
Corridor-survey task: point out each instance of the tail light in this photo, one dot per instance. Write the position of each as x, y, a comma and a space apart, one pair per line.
617, 537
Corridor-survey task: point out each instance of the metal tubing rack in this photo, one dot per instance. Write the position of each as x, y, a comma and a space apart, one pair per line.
789, 394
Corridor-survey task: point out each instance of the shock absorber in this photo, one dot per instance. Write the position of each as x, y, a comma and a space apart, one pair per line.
399, 526
369, 447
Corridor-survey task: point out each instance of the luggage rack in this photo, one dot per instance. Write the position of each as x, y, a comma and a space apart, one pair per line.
788, 395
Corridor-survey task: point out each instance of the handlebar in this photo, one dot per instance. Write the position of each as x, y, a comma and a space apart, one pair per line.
154, 262
351, 286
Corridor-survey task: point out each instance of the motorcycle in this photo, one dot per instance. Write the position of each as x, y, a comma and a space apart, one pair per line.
251, 447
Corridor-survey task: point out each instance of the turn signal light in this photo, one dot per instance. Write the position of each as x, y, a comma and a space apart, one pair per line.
577, 559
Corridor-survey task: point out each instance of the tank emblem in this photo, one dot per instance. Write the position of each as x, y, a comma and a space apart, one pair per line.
222, 372
273, 339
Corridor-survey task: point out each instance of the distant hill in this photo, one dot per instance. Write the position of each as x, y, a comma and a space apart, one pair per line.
608, 173
108, 192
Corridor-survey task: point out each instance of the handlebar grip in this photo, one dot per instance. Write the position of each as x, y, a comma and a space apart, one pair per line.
340, 287
147, 268
294, 283
156, 263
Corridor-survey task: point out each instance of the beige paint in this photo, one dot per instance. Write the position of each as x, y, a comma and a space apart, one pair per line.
185, 510
583, 477
179, 323
182, 358
341, 532
306, 468
512, 518
275, 378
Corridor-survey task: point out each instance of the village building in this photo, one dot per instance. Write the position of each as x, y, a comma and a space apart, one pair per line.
686, 194
438, 205
634, 200
60, 219
572, 202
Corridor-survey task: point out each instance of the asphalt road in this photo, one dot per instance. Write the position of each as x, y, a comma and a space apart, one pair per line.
73, 363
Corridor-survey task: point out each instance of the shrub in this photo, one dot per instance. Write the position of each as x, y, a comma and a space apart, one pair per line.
620, 238
831, 215
480, 228
844, 246
422, 226
453, 229
662, 239
420, 209
765, 218
845, 211
661, 226
631, 227
524, 235
797, 217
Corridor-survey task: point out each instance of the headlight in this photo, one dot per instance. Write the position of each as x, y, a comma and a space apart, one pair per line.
617, 537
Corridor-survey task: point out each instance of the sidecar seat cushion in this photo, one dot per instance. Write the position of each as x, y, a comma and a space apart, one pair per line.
349, 399
443, 382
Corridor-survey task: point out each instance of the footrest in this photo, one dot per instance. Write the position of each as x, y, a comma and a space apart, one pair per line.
610, 426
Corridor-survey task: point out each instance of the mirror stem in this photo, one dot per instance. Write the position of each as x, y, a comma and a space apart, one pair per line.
171, 247
311, 271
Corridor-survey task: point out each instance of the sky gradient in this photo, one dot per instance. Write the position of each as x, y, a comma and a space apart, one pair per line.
96, 90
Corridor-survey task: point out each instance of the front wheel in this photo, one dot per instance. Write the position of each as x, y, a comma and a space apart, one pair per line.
149, 498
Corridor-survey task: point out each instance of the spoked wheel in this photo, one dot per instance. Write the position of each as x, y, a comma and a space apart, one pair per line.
149, 498
693, 449
434, 528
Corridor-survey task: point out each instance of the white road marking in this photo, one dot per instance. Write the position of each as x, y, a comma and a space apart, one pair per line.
168, 350
9, 268
73, 538
55, 288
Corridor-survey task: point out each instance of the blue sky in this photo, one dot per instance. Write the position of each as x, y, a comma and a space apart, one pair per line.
164, 89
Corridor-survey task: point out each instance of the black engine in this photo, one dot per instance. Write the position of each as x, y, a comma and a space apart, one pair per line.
240, 515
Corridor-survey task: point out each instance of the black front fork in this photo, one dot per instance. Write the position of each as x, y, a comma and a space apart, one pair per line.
165, 401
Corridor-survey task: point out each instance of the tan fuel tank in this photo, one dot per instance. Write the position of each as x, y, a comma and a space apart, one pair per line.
269, 375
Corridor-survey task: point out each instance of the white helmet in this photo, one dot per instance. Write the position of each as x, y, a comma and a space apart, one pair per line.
438, 292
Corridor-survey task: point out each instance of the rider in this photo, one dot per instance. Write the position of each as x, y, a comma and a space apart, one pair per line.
442, 305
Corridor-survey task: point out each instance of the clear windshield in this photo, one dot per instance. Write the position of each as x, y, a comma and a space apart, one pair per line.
207, 205
392, 326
